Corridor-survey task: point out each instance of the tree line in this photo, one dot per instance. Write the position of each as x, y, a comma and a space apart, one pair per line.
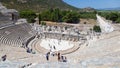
57, 15
29, 15
114, 16
88, 15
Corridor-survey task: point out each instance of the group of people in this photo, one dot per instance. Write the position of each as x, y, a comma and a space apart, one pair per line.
59, 57
4, 57
62, 58
25, 66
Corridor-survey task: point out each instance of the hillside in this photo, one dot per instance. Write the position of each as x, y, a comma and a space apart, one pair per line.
36, 5
88, 9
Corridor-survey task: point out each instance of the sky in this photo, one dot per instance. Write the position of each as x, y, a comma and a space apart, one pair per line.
97, 4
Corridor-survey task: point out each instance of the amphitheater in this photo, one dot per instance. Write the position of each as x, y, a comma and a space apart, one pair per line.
83, 49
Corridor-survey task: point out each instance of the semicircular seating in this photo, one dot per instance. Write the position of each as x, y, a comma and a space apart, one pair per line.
16, 35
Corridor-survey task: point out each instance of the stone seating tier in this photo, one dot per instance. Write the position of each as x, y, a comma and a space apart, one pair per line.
15, 35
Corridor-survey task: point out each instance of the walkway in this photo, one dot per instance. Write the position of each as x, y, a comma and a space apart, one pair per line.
104, 25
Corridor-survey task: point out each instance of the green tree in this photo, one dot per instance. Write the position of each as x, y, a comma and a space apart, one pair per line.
112, 16
118, 20
45, 16
52, 15
39, 16
97, 28
71, 17
56, 15
29, 15
88, 15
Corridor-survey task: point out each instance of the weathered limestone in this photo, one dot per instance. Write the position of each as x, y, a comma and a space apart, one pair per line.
104, 25
15, 35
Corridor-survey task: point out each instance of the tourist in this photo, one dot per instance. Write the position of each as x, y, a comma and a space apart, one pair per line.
58, 56
62, 57
47, 56
4, 57
65, 59
54, 47
29, 50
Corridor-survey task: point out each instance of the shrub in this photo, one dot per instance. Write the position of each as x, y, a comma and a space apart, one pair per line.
96, 28
43, 23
